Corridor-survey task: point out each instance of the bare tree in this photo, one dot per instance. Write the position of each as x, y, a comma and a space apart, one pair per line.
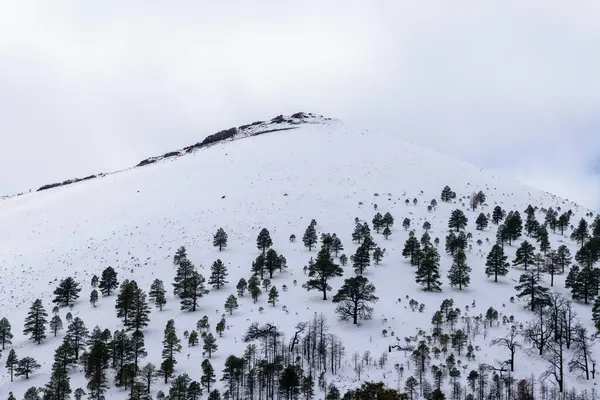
510, 343
556, 358
539, 330
582, 352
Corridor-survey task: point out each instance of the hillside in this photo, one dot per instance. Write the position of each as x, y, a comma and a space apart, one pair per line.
135, 220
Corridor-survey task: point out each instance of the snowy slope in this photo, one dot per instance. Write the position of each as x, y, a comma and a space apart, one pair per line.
136, 219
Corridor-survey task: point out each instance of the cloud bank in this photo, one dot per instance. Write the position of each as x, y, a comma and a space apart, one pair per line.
512, 86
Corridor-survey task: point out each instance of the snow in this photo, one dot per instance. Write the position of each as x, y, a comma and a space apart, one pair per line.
134, 221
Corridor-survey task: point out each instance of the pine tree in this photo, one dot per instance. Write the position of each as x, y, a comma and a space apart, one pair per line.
529, 287
386, 232
524, 255
33, 393
193, 291
563, 257
406, 223
139, 315
241, 287
459, 273
94, 297
481, 222
194, 391
343, 260
218, 275
497, 215
94, 281
458, 220
581, 234
271, 262
26, 366
447, 194
428, 274
585, 285
220, 239
35, 323
496, 263
263, 241
377, 222
231, 304
138, 348
124, 302
336, 245
513, 226
388, 220
310, 237
220, 328
67, 292
273, 295
254, 287
5, 332
157, 294
543, 239
210, 344
563, 222
11, 363
361, 259
171, 345
258, 266
180, 255
179, 387
56, 324
321, 271
185, 270
208, 375
412, 249
77, 335
353, 299
596, 313
378, 254
108, 281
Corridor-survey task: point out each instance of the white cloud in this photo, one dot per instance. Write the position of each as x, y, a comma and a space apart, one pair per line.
512, 86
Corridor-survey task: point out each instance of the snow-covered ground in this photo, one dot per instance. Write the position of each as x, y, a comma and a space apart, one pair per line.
136, 219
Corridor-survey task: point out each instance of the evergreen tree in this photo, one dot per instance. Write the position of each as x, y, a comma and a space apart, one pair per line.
148, 375
513, 226
56, 324
458, 220
336, 245
33, 393
310, 237
497, 215
171, 345
258, 266
563, 222
273, 295
412, 248
321, 271
386, 232
35, 323
194, 391
425, 240
94, 297
361, 259
428, 274
456, 242
530, 287
241, 287
185, 270
220, 239
210, 344
447, 194
524, 255
124, 302
5, 332
501, 235
496, 263
263, 241
459, 273
343, 260
481, 222
108, 281
585, 285
208, 375
231, 304
26, 366
543, 239
388, 220
179, 387
11, 363
77, 336
218, 275
139, 315
378, 254
563, 257
67, 292
157, 294
551, 219
138, 348
94, 281
220, 328
580, 234
254, 287
271, 262
596, 313
193, 292
377, 222
180, 255
353, 299
406, 223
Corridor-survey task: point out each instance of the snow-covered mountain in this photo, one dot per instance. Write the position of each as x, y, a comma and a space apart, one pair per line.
278, 175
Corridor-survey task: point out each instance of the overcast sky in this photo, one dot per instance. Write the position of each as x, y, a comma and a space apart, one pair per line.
512, 86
